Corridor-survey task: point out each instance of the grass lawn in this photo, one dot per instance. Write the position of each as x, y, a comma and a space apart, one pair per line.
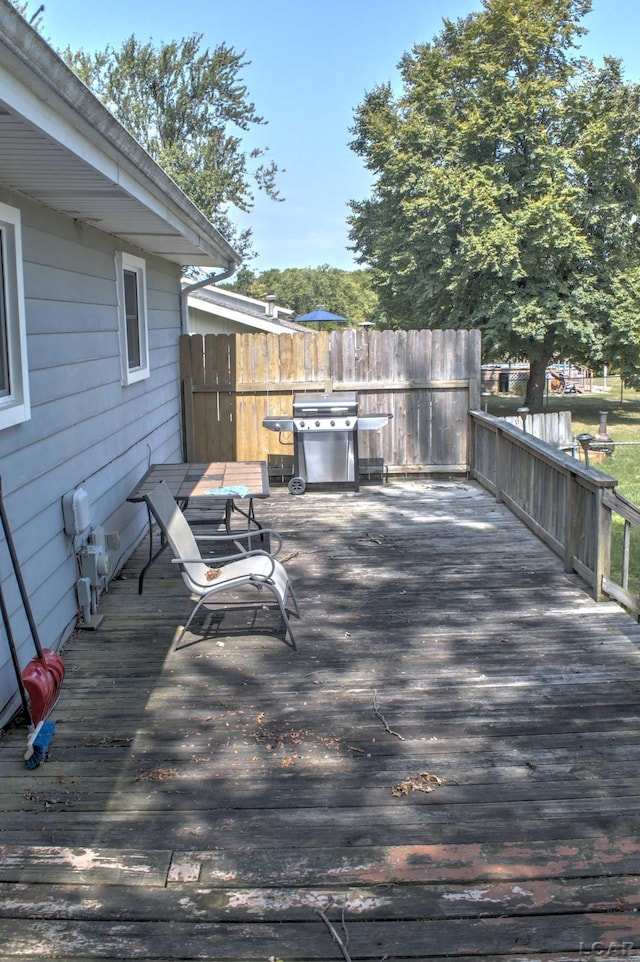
623, 425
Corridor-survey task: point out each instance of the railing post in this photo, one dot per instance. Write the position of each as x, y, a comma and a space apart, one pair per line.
500, 454
571, 527
626, 554
602, 561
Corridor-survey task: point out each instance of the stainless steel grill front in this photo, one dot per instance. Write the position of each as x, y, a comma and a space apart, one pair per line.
325, 438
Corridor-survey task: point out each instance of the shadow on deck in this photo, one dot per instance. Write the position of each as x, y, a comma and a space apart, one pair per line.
447, 767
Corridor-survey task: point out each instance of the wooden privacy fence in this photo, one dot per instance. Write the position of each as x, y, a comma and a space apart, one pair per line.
428, 381
568, 505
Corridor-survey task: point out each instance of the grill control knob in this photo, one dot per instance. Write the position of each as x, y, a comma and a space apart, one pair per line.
333, 424
302, 424
347, 423
317, 424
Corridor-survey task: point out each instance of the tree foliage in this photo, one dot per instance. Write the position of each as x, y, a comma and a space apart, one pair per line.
506, 187
190, 110
348, 293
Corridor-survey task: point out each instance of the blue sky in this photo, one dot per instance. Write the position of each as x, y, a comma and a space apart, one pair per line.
311, 65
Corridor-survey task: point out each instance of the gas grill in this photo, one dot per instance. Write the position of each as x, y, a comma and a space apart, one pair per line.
325, 438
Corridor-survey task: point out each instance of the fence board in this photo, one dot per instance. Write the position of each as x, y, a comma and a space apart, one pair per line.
220, 423
403, 430
196, 360
425, 379
406, 369
416, 408
252, 369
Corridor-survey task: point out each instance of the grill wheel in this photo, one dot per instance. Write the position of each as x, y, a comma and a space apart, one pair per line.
297, 485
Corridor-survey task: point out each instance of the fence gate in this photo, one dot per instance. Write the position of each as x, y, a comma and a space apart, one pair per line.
428, 380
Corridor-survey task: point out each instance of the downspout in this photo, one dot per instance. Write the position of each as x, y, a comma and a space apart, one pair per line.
212, 279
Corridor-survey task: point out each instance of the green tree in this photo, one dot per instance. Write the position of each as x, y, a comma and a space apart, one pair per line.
190, 110
348, 293
506, 186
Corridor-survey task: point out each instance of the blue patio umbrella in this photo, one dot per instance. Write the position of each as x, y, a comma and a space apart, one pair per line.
321, 316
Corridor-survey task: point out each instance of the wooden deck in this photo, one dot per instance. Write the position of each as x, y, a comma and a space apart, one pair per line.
446, 768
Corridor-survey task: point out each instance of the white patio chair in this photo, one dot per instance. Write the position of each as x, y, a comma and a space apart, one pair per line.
206, 578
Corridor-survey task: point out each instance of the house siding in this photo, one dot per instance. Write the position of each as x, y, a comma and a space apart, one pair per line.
85, 427
202, 322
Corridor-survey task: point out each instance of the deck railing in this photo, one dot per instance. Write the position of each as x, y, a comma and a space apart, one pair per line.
568, 505
630, 515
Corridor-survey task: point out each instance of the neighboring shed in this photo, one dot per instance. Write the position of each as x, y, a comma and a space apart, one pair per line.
93, 235
215, 310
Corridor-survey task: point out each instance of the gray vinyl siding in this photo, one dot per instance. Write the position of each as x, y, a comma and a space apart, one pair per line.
85, 427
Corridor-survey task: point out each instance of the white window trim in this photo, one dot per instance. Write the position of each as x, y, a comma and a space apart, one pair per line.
16, 406
127, 262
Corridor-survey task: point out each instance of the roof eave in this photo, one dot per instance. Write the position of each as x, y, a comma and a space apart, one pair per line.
57, 88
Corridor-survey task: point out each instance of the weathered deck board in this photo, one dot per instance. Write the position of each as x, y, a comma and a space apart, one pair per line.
190, 903
215, 903
206, 802
311, 940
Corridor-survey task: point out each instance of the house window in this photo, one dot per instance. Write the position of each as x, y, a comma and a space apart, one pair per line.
132, 317
14, 371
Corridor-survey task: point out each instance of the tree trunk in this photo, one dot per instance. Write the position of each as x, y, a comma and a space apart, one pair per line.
537, 382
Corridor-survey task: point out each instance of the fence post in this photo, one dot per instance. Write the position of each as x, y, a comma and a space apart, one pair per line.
187, 407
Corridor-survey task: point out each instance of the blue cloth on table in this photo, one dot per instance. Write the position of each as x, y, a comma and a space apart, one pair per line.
232, 491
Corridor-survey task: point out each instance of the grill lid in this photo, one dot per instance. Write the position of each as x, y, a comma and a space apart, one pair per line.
325, 405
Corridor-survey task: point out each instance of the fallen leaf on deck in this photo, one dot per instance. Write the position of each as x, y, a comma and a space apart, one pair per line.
422, 782
157, 775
